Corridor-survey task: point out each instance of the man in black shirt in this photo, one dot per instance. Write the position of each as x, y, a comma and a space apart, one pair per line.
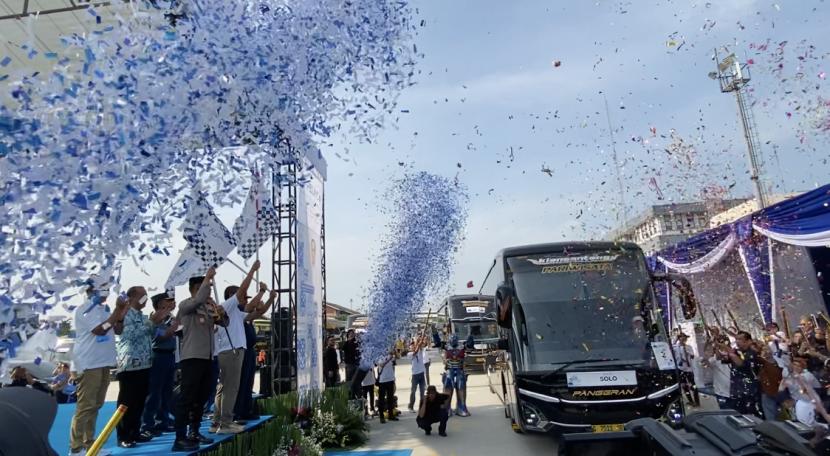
745, 387
351, 355
434, 410
331, 367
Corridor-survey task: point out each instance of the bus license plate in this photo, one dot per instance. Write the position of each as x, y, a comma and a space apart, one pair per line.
608, 427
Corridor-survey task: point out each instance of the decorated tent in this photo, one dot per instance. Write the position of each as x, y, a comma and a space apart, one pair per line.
756, 266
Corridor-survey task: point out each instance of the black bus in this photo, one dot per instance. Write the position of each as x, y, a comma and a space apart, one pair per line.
585, 348
474, 315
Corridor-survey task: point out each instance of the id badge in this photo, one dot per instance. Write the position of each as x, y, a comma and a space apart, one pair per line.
201, 320
103, 338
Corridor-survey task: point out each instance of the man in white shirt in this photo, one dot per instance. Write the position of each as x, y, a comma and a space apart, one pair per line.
230, 349
800, 382
418, 372
386, 387
92, 357
721, 373
684, 355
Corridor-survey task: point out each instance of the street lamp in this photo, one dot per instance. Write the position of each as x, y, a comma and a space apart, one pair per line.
733, 77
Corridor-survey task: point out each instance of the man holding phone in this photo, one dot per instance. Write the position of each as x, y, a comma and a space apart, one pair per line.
92, 357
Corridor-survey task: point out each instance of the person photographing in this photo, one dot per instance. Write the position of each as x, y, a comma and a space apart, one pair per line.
434, 410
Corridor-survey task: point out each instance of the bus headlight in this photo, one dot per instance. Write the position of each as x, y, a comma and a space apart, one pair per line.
674, 413
532, 415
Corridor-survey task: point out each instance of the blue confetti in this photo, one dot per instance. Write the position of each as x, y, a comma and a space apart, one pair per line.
150, 110
429, 215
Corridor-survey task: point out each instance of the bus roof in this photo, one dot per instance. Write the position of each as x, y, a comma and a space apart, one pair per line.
555, 247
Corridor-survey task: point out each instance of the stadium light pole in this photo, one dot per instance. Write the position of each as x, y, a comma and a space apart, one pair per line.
733, 77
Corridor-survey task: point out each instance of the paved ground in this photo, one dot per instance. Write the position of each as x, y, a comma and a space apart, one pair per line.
486, 431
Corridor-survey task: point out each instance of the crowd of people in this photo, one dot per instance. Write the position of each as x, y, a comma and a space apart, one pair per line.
172, 365
421, 350
780, 377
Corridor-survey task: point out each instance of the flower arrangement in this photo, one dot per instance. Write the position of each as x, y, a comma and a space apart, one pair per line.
325, 420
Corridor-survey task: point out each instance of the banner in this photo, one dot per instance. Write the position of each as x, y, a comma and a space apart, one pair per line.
310, 281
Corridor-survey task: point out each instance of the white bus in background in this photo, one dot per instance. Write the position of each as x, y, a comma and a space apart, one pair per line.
357, 322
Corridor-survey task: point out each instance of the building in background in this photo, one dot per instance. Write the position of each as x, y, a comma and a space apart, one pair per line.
747, 207
663, 225
336, 316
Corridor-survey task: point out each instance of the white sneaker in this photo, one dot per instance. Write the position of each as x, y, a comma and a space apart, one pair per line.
411, 410
232, 428
81, 452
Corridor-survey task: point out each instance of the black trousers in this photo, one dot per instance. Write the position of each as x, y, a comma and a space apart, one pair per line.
244, 408
386, 397
370, 392
133, 387
426, 422
194, 391
350, 371
687, 381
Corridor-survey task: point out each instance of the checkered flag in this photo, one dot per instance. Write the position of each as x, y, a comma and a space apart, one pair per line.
189, 265
206, 236
257, 222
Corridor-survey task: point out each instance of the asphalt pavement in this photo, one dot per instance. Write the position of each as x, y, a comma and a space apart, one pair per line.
486, 431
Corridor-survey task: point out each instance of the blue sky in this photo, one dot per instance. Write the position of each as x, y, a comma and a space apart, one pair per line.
487, 86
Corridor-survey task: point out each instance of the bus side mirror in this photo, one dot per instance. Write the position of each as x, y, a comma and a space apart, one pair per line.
504, 298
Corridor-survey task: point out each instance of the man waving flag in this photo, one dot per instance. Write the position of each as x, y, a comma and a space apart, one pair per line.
258, 220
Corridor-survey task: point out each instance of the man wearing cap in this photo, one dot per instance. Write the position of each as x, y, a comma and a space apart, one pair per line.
197, 315
157, 411
230, 345
684, 355
92, 357
135, 357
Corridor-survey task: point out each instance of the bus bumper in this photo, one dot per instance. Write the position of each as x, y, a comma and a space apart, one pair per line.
536, 415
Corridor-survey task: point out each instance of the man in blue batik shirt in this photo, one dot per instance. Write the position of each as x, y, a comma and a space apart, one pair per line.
158, 408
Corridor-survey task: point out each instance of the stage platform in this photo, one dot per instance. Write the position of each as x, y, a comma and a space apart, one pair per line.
161, 445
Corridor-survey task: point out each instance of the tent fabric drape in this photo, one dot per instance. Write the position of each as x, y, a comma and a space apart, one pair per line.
803, 220
755, 258
708, 260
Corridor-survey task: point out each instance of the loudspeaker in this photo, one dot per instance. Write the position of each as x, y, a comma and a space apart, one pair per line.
283, 335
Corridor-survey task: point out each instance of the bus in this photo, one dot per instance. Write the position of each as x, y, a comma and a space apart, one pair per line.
474, 315
585, 346
357, 322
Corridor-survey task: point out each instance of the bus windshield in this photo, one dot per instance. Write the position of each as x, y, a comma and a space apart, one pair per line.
582, 306
481, 329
